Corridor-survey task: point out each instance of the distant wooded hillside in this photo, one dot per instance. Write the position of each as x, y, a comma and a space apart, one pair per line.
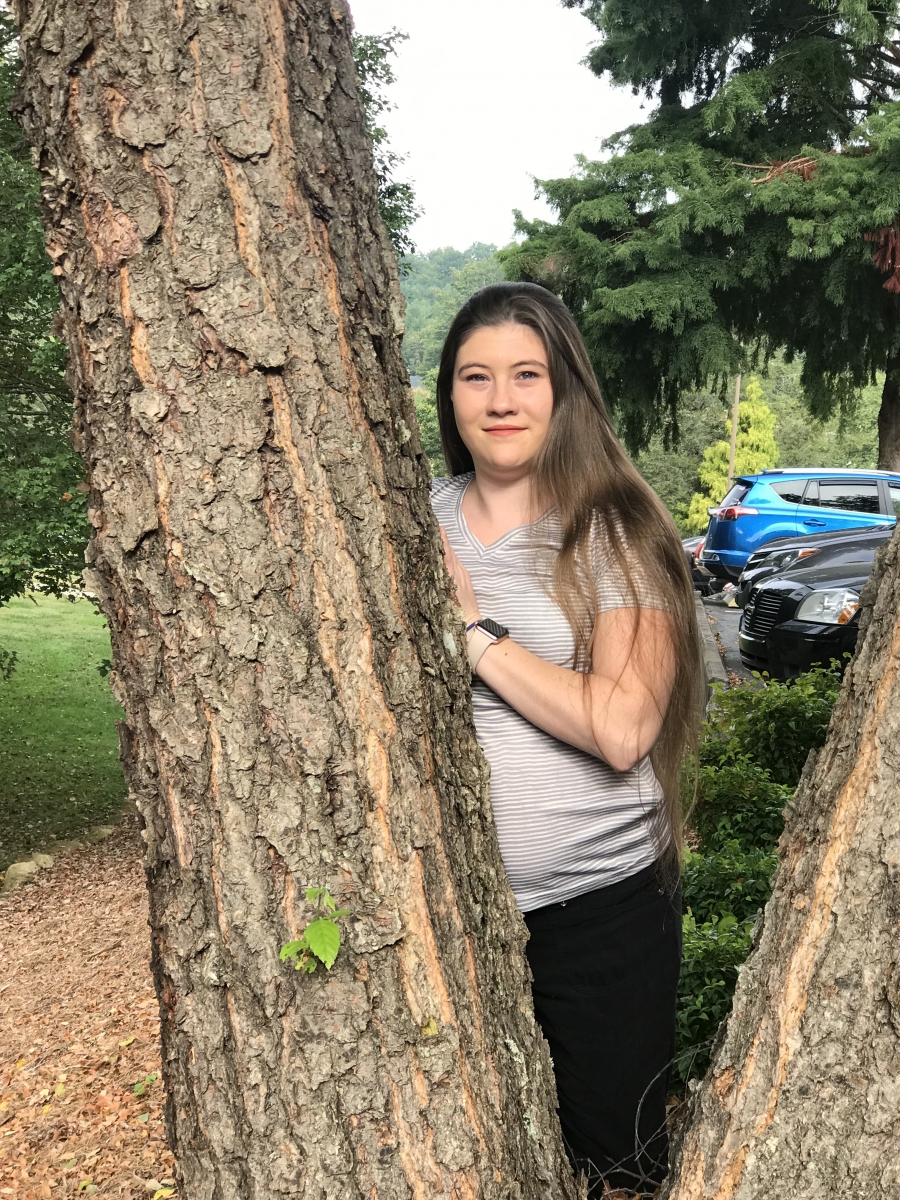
435, 286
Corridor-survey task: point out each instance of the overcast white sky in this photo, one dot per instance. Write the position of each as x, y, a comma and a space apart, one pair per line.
489, 94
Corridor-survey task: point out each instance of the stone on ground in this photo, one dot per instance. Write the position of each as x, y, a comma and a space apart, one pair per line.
17, 873
98, 833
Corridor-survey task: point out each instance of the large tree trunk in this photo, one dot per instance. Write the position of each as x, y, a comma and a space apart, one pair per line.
291, 668
802, 1100
889, 418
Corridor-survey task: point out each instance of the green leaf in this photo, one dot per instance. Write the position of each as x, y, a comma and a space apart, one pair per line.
313, 893
324, 939
290, 950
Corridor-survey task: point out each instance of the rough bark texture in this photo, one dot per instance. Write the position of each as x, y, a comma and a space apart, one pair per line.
803, 1096
285, 649
889, 418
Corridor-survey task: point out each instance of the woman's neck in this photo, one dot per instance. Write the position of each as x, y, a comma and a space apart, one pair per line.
492, 507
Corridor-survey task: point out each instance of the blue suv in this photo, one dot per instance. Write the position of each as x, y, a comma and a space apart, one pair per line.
791, 501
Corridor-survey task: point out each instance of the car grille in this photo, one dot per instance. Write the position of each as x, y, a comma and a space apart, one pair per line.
762, 612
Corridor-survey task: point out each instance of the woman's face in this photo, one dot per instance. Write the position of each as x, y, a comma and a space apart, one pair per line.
502, 397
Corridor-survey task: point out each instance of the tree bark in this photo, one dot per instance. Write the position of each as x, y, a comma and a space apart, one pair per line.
889, 418
292, 670
803, 1096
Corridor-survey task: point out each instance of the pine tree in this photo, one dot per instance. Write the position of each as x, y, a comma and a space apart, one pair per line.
756, 210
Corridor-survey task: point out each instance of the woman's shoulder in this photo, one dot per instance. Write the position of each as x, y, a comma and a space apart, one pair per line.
445, 490
619, 570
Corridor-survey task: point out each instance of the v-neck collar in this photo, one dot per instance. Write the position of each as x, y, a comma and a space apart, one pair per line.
477, 545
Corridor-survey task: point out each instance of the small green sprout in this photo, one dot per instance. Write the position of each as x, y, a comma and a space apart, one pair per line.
321, 940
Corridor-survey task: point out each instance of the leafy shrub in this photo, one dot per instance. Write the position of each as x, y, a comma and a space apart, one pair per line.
776, 724
713, 953
723, 894
755, 742
732, 882
738, 801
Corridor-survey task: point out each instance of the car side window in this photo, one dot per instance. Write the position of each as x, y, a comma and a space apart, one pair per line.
895, 498
846, 495
811, 495
791, 491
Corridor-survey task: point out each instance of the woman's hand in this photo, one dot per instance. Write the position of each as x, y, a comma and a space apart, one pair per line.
464, 591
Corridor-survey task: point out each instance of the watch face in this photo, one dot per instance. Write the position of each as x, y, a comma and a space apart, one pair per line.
494, 628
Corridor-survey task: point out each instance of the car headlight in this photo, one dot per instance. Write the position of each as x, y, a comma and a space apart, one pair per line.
833, 606
783, 559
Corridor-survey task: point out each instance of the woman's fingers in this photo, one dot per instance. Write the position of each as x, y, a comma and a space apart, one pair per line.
453, 563
465, 593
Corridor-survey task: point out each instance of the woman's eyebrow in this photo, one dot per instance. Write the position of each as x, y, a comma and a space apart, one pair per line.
528, 362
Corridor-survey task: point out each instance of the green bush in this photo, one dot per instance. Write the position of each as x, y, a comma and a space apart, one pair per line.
775, 724
723, 894
713, 953
738, 801
732, 882
755, 741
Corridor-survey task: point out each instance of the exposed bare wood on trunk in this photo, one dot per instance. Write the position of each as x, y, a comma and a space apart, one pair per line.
803, 1095
291, 668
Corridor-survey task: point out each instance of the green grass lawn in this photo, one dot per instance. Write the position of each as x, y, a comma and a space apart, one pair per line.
59, 758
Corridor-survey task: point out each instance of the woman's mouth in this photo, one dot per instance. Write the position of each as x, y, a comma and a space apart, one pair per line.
504, 430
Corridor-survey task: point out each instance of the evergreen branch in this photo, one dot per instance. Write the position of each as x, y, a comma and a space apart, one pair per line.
888, 55
801, 164
866, 83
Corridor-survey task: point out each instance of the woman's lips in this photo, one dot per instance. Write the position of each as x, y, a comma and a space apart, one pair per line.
504, 430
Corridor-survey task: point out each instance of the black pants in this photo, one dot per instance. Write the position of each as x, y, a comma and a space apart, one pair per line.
605, 969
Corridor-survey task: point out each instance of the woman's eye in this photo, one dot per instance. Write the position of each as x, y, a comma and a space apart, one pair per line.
474, 378
528, 374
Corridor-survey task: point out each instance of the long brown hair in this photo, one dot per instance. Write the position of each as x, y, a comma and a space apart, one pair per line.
584, 474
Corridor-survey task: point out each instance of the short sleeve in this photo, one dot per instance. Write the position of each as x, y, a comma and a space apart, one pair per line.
444, 492
609, 577
440, 484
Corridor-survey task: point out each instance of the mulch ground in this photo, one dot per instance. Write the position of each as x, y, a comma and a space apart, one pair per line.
80, 1093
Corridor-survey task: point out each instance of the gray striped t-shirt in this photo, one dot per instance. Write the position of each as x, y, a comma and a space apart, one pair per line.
567, 822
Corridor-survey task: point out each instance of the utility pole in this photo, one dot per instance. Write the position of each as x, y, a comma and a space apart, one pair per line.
734, 430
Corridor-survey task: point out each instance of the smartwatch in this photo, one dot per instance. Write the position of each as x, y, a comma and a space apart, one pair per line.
482, 634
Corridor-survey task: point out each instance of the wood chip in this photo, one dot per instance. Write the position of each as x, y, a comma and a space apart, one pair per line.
79, 1028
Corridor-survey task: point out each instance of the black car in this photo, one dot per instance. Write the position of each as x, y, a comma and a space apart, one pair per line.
814, 549
802, 619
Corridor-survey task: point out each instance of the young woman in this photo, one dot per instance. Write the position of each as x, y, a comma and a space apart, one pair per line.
587, 682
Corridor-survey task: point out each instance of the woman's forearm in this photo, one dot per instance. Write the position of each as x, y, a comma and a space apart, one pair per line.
613, 718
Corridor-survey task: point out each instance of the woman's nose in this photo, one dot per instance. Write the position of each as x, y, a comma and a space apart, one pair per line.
502, 400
